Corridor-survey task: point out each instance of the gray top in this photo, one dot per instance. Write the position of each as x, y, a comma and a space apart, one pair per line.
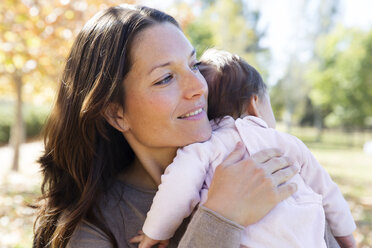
124, 210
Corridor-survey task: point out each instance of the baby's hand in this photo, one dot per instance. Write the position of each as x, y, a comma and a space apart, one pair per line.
346, 241
147, 242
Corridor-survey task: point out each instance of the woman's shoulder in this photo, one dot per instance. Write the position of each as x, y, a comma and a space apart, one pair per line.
122, 209
87, 235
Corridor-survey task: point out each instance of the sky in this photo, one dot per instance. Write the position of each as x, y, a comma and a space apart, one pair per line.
284, 22
284, 25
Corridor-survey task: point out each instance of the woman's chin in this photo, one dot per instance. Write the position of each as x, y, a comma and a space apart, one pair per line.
203, 134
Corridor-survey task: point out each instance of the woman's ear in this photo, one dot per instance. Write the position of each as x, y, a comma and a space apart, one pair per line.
114, 115
252, 106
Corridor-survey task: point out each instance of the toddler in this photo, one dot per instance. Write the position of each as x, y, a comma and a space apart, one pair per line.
240, 110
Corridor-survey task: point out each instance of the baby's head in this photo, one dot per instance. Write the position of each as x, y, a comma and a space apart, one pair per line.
235, 87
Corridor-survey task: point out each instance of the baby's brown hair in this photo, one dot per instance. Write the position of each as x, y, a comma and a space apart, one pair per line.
231, 83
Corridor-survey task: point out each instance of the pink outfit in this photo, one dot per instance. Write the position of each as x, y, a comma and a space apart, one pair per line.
295, 222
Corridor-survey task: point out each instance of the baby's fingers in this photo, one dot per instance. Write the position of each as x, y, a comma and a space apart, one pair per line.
136, 239
163, 244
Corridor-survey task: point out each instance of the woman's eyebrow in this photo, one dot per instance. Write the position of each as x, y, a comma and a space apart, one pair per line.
193, 52
158, 66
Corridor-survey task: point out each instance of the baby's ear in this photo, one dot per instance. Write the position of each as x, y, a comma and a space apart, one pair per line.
114, 115
252, 106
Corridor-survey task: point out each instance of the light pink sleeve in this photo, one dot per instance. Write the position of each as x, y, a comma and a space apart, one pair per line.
179, 191
336, 209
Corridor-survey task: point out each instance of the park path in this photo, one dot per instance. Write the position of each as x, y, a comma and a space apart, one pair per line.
28, 168
29, 153
17, 189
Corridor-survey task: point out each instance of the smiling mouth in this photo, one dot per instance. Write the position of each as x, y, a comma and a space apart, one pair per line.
196, 112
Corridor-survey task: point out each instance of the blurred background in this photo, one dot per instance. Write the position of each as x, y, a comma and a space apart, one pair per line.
315, 55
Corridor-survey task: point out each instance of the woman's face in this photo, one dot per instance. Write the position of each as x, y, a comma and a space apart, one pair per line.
166, 96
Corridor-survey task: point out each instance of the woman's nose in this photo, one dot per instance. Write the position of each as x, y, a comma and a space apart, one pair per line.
195, 85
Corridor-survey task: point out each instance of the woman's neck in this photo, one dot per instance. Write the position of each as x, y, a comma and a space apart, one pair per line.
136, 175
148, 166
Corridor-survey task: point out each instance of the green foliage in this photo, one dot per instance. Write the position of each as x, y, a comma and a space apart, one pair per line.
342, 78
200, 35
34, 118
365, 77
228, 25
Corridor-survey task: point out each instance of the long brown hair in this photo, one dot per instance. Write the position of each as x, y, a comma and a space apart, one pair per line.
231, 83
83, 153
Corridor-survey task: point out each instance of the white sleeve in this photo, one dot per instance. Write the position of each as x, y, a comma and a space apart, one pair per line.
335, 206
178, 192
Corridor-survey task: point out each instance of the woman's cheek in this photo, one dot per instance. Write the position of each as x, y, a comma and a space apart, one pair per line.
163, 102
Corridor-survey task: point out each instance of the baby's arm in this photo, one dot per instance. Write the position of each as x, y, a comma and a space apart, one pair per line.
335, 206
178, 192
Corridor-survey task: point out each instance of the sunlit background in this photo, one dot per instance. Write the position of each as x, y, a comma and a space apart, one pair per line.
315, 55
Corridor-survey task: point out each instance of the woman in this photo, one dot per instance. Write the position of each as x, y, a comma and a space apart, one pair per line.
130, 95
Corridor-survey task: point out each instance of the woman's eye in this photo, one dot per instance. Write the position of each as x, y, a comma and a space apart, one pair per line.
195, 67
165, 80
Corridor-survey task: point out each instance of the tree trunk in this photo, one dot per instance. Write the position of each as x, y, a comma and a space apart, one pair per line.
17, 134
288, 114
288, 121
318, 124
